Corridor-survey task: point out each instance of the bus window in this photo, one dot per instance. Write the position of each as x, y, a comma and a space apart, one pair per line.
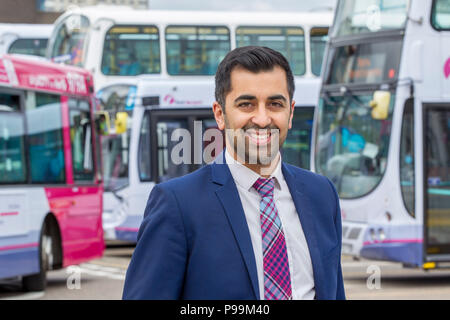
166, 130
407, 180
144, 153
365, 16
36, 47
68, 46
297, 146
289, 41
195, 50
131, 50
116, 98
365, 63
45, 140
440, 17
319, 38
12, 144
81, 140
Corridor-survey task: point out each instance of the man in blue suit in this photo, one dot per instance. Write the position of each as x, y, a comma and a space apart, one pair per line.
247, 226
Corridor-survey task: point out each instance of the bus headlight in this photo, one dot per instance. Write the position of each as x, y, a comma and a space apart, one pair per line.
381, 234
373, 235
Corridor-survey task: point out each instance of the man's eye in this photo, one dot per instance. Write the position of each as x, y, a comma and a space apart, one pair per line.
276, 104
244, 104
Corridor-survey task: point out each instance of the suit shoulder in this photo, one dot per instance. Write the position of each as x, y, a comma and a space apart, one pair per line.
305, 173
188, 181
311, 179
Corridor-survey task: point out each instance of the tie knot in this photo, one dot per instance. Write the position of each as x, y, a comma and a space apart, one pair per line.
264, 187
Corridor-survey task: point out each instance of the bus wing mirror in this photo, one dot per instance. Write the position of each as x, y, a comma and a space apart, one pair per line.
380, 105
121, 122
102, 122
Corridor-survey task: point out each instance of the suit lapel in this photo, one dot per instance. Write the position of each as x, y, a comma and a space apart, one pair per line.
231, 202
304, 211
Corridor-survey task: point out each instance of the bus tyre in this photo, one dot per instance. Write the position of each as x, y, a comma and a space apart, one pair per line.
38, 282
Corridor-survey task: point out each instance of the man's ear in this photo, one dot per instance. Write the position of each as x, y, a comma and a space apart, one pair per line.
219, 115
292, 114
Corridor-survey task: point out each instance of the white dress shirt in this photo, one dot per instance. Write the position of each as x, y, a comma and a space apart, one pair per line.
300, 266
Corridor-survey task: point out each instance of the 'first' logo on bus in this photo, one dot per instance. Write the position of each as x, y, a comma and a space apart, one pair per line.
447, 68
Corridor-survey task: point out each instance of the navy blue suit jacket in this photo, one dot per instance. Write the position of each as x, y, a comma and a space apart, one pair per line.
194, 241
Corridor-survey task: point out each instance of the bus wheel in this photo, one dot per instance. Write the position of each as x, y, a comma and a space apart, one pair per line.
38, 282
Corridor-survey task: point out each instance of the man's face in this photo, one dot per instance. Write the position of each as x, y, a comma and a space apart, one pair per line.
257, 114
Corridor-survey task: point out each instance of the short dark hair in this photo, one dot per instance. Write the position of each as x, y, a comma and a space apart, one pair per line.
254, 59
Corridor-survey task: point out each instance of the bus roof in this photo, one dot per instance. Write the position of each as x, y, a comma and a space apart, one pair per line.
126, 15
40, 74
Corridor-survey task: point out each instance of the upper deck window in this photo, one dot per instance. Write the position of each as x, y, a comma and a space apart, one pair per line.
131, 50
195, 50
366, 16
69, 43
365, 63
440, 17
36, 47
319, 38
290, 41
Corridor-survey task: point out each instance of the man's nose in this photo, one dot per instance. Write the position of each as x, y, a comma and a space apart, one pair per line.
262, 117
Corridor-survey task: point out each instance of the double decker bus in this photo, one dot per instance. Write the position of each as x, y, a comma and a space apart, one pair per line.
30, 39
50, 191
382, 128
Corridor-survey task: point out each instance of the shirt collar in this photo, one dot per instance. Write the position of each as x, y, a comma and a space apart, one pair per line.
246, 177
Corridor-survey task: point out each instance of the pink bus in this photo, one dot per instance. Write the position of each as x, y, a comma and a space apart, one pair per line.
50, 187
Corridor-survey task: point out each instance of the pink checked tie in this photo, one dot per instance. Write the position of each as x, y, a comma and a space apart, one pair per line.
277, 280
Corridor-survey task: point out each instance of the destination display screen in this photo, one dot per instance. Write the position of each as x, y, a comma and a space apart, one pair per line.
365, 63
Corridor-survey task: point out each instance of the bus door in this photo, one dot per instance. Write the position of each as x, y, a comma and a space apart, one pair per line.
86, 195
177, 142
437, 182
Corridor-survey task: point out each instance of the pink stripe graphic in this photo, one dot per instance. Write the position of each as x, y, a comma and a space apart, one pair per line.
127, 229
20, 246
366, 243
4, 214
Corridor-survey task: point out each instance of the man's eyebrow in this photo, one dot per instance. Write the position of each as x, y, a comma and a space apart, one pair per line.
244, 97
277, 97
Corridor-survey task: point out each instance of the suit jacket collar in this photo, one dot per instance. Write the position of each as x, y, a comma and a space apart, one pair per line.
229, 198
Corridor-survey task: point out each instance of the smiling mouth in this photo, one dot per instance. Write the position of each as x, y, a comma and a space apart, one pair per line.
259, 138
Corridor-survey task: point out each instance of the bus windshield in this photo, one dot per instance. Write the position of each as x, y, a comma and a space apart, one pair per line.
290, 41
36, 47
69, 42
351, 146
132, 50
196, 50
366, 16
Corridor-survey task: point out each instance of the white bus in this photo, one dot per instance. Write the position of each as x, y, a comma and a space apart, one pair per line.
117, 43
30, 39
136, 158
382, 128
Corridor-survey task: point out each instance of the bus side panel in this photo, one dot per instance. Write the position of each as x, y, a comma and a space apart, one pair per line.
78, 211
21, 215
19, 260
